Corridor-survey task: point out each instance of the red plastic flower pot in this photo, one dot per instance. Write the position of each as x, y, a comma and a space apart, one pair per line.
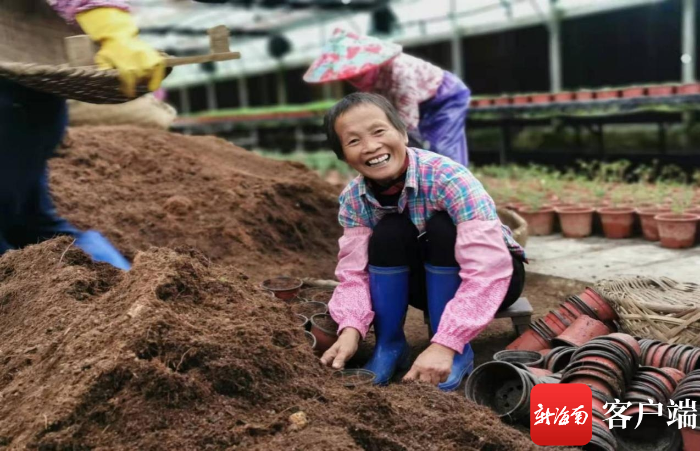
303, 322
322, 296
635, 91
541, 98
692, 88
539, 372
661, 91
657, 356
674, 373
539, 222
569, 311
677, 231
600, 306
576, 222
555, 323
325, 330
284, 288
564, 97
607, 362
545, 352
691, 439
310, 339
584, 96
528, 341
617, 221
607, 94
650, 228
559, 358
521, 100
502, 101
580, 332
309, 309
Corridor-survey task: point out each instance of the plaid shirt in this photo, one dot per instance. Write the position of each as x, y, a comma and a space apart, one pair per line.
433, 183
69, 8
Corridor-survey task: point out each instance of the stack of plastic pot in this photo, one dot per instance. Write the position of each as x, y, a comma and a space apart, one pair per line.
607, 364
558, 358
503, 387
527, 358
541, 333
657, 385
659, 354
688, 391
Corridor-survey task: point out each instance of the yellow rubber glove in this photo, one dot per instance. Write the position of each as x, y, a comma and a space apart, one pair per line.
121, 49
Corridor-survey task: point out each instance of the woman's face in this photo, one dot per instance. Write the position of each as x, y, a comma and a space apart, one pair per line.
372, 146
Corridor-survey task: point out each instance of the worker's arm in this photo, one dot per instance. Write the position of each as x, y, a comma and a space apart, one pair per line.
68, 9
486, 265
109, 23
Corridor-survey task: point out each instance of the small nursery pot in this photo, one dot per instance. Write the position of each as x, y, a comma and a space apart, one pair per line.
600, 306
677, 231
576, 222
556, 322
502, 387
528, 341
601, 439
323, 297
539, 222
354, 377
305, 294
324, 329
582, 307
594, 382
650, 228
284, 288
310, 339
627, 342
559, 358
310, 308
303, 321
675, 374
544, 352
527, 358
617, 221
580, 332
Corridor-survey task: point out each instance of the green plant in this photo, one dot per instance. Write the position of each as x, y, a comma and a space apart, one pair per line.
534, 200
682, 200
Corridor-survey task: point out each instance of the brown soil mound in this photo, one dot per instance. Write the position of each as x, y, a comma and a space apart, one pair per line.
180, 353
145, 188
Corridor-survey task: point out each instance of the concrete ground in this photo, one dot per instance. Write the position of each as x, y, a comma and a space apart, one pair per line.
595, 258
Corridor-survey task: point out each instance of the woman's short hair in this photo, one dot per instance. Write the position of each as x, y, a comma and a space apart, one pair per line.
348, 103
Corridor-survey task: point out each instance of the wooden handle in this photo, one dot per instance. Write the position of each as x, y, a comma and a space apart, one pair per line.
81, 50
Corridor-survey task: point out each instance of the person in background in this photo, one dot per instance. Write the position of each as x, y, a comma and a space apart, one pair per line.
33, 123
418, 229
432, 102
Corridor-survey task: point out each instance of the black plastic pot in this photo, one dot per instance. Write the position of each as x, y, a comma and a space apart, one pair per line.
527, 358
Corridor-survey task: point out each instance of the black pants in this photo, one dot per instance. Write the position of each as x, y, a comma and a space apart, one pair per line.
395, 242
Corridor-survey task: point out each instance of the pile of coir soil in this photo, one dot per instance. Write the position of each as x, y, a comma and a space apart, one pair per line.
182, 353
143, 188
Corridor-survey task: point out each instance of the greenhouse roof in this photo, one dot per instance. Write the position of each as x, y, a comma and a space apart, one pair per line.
179, 26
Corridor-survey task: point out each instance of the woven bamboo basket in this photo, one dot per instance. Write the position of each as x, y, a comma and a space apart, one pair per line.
516, 224
656, 308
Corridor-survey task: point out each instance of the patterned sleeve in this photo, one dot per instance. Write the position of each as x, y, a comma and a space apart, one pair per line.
484, 259
68, 9
463, 196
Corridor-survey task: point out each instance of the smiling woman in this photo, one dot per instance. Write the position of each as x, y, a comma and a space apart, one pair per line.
419, 229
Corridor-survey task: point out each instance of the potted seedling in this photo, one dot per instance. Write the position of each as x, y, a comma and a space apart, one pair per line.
284, 288
677, 229
647, 213
539, 218
576, 221
618, 219
309, 309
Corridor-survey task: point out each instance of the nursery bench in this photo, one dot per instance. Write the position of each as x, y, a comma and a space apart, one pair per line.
520, 313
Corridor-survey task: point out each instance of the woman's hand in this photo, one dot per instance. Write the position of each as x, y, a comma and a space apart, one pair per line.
432, 365
343, 349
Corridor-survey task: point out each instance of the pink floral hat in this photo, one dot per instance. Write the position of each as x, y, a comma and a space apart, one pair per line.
348, 54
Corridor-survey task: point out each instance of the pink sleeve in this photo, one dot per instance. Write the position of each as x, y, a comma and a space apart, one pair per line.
351, 305
69, 8
486, 268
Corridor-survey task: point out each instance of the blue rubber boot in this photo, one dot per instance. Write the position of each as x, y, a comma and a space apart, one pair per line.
441, 285
389, 290
100, 249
